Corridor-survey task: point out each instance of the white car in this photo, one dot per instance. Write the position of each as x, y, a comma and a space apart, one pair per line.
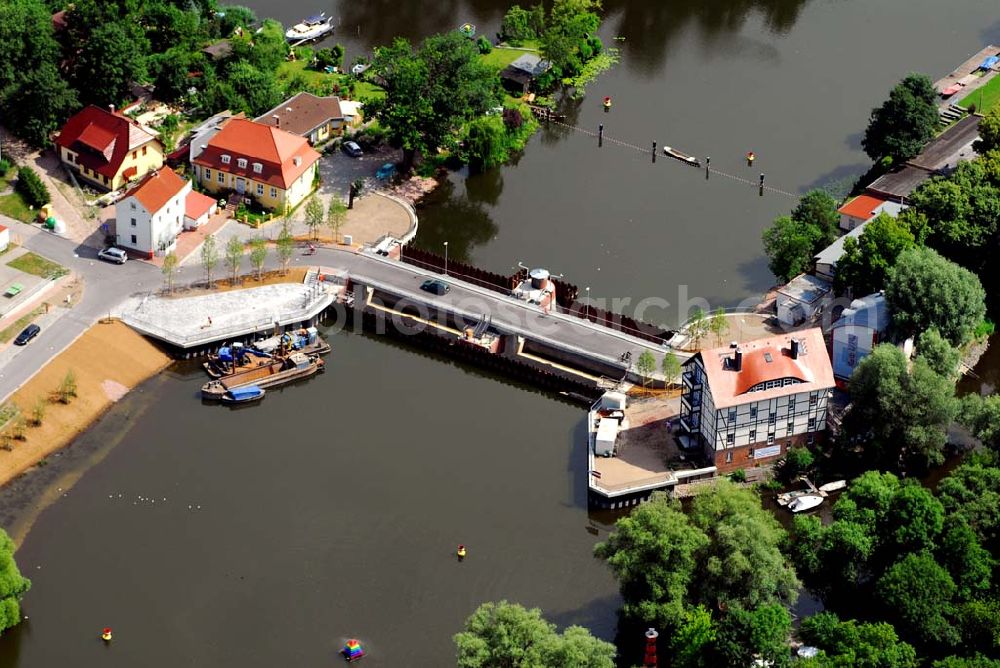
113, 255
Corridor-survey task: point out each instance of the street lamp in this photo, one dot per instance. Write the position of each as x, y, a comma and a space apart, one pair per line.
588, 300
446, 258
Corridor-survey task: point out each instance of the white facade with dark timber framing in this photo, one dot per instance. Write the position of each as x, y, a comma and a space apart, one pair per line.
746, 405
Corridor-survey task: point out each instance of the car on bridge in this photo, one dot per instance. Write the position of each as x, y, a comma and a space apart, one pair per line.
113, 255
435, 287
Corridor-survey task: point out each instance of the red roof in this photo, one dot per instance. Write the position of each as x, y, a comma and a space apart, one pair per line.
766, 360
862, 206
197, 205
276, 151
102, 139
157, 188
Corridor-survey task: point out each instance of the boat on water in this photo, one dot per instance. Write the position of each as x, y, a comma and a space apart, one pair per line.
682, 156
247, 394
306, 340
294, 367
803, 503
787, 497
310, 28
468, 29
834, 486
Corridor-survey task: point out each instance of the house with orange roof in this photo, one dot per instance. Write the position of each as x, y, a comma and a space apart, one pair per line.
106, 149
267, 164
857, 211
745, 404
151, 214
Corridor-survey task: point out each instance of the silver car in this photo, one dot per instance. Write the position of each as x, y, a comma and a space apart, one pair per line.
113, 255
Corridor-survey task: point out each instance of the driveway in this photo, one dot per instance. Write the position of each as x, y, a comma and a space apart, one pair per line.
338, 170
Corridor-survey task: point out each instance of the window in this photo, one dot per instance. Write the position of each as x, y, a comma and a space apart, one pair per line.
241, 163
813, 398
208, 174
790, 427
770, 439
222, 177
730, 438
225, 160
132, 205
258, 168
274, 192
133, 222
791, 404
772, 417
260, 188
134, 241
144, 150
732, 415
753, 435
729, 456
753, 412
135, 154
810, 439
812, 424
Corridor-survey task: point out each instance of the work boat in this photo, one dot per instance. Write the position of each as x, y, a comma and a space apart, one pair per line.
310, 28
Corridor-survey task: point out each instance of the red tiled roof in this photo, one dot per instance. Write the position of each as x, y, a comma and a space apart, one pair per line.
276, 151
197, 204
101, 139
730, 387
303, 113
861, 206
157, 188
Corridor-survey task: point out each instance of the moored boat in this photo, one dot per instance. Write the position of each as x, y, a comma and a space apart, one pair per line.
311, 28
243, 395
833, 486
804, 503
306, 340
681, 155
787, 497
294, 367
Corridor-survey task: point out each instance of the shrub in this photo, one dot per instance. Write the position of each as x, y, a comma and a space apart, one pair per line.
67, 389
5, 166
512, 118
30, 185
38, 413
797, 461
484, 45
739, 475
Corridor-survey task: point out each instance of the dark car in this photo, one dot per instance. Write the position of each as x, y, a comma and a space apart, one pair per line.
352, 149
30, 332
434, 286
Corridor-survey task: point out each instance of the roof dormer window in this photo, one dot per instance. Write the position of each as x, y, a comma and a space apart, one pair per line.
241, 163
225, 159
258, 168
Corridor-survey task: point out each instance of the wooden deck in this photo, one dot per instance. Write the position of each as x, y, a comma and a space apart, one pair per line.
963, 71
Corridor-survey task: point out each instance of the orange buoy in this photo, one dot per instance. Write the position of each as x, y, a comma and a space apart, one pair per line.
607, 102
750, 158
106, 634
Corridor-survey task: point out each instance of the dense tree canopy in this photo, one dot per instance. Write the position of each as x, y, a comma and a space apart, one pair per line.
790, 246
939, 354
521, 24
570, 37
12, 584
927, 291
848, 643
864, 267
905, 122
989, 132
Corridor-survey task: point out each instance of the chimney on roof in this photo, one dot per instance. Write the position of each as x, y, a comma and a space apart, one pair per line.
112, 108
795, 349
277, 120
734, 344
738, 360
297, 160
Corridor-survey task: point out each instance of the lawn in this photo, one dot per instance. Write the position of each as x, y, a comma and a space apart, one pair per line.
15, 329
30, 263
13, 205
289, 70
501, 58
985, 98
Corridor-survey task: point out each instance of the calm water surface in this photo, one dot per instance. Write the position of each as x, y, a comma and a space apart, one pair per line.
333, 508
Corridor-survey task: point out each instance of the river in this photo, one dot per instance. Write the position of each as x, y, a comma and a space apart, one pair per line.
332, 510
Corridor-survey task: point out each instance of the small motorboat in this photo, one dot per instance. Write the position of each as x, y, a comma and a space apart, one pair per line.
680, 155
246, 394
834, 486
468, 30
311, 28
803, 503
359, 68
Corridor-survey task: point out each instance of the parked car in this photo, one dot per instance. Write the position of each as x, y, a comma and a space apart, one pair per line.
352, 149
113, 255
435, 287
30, 332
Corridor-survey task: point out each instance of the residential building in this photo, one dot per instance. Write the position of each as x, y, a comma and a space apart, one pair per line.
857, 211
351, 110
107, 149
518, 76
265, 163
860, 328
151, 215
307, 115
801, 298
197, 138
745, 405
825, 262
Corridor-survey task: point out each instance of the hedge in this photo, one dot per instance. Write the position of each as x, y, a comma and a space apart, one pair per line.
31, 187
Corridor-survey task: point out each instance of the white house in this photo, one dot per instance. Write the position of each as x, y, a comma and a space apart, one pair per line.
746, 404
861, 326
198, 208
801, 298
859, 210
151, 215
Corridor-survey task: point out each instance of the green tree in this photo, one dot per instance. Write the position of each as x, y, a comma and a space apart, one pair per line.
170, 264
314, 215
255, 90
693, 640
30, 120
336, 216
258, 255
981, 415
966, 662
646, 366
285, 247
31, 187
969, 563
718, 324
905, 122
235, 16
864, 267
520, 24
938, 353
486, 142
671, 368
971, 494
818, 209
989, 132
849, 643
209, 257
12, 584
796, 462
234, 256
507, 634
654, 553
918, 594
68, 388
696, 326
749, 635
925, 290
110, 58
790, 246
570, 24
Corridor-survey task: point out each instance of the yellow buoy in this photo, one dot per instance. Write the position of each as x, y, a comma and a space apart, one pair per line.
461, 552
106, 634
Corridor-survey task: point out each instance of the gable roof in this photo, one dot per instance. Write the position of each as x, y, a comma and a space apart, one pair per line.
157, 188
303, 113
870, 311
862, 206
197, 204
276, 151
101, 139
765, 360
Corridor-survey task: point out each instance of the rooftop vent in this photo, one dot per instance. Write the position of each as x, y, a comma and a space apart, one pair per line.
737, 360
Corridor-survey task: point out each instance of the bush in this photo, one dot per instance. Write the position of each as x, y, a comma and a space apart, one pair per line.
30, 185
739, 475
5, 166
484, 45
797, 461
512, 118
38, 413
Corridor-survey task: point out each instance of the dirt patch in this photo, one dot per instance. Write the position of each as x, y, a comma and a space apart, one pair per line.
414, 188
101, 379
294, 275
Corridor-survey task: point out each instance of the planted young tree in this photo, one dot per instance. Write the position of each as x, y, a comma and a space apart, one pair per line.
170, 263
285, 247
209, 258
671, 367
38, 412
67, 389
18, 428
234, 256
336, 216
258, 255
12, 585
697, 326
646, 366
314, 216
718, 324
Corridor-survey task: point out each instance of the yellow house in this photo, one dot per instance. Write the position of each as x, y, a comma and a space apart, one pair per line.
307, 115
107, 149
271, 166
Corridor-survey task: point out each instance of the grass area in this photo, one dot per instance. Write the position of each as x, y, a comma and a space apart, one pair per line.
985, 98
366, 90
298, 69
31, 263
15, 329
13, 205
500, 57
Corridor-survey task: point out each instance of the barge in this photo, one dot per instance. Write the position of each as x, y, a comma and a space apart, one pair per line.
294, 367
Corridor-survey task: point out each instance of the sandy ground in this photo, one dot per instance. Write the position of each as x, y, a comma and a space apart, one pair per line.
100, 383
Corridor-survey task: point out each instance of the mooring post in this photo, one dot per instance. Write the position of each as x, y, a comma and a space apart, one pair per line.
600, 135
761, 191
654, 152
708, 166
